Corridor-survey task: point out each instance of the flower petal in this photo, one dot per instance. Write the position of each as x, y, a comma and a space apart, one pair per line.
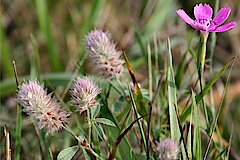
182, 14
203, 12
224, 28
221, 17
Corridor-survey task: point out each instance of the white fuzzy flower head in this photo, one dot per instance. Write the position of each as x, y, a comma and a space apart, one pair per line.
167, 149
42, 109
103, 54
84, 92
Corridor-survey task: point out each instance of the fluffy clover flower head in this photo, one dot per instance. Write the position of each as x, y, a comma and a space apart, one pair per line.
84, 92
204, 22
167, 149
42, 109
103, 54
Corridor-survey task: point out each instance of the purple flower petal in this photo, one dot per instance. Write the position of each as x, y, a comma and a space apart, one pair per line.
224, 28
221, 17
203, 12
182, 14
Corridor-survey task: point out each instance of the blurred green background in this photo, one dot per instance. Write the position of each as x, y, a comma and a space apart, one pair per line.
48, 36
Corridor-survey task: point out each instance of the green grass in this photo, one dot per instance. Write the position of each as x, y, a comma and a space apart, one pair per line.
158, 95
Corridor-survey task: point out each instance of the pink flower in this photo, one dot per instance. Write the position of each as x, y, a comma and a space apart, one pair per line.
84, 92
103, 54
167, 149
42, 109
204, 22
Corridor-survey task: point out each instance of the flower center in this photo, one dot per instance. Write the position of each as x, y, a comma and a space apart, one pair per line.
205, 22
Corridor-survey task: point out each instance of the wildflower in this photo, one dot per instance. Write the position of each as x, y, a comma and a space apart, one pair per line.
204, 23
84, 92
103, 54
42, 110
167, 149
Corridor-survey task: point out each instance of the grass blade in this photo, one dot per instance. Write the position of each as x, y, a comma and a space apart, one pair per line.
219, 110
172, 102
18, 132
142, 109
45, 27
125, 148
5, 54
172, 99
140, 126
209, 85
112, 153
206, 89
197, 151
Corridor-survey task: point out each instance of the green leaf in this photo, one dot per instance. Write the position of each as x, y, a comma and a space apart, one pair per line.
209, 85
206, 89
86, 156
140, 126
67, 153
172, 102
189, 138
99, 130
117, 105
141, 105
95, 111
104, 121
172, 99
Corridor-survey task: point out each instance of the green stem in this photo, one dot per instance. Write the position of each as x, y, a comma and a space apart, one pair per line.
71, 132
89, 125
202, 52
200, 65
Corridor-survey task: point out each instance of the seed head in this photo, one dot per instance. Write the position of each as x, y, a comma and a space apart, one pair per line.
103, 54
84, 92
167, 150
42, 109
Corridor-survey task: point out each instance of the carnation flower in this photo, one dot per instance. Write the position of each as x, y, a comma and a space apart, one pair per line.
42, 109
103, 54
167, 149
84, 92
204, 22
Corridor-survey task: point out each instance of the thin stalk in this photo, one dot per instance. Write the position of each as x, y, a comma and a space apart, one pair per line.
213, 41
71, 132
137, 116
149, 118
149, 72
200, 65
202, 52
89, 125
156, 57
18, 132
7, 144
